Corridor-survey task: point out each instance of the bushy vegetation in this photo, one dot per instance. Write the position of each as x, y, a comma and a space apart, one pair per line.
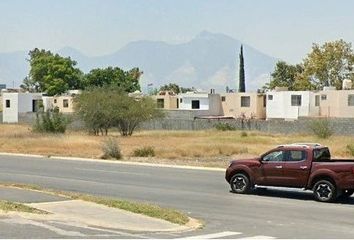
110, 107
224, 127
144, 152
111, 149
350, 149
244, 134
322, 128
51, 121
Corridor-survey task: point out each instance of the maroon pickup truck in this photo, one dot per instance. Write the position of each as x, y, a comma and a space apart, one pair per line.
298, 165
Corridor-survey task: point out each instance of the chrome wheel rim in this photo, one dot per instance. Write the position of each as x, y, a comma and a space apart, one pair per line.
239, 183
324, 192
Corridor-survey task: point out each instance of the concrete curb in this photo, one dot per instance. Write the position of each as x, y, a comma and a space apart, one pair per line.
115, 162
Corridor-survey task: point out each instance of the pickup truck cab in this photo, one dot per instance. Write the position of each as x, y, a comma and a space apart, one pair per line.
299, 165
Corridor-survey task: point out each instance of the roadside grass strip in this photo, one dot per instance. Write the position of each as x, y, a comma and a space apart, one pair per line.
7, 206
147, 209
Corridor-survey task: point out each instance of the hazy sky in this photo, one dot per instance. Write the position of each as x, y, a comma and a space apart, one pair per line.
284, 29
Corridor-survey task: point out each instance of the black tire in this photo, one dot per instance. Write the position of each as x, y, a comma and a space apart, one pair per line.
240, 183
346, 193
325, 191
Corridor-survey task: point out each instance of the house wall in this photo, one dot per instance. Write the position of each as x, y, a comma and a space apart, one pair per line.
47, 103
19, 103
280, 106
336, 104
60, 104
210, 102
170, 102
25, 101
10, 115
232, 105
215, 108
187, 99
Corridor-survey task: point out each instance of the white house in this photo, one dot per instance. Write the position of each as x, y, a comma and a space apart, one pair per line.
16, 102
201, 101
291, 104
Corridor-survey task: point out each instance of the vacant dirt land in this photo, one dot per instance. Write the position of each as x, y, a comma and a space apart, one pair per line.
200, 148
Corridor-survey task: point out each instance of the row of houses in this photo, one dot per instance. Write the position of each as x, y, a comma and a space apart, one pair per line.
277, 104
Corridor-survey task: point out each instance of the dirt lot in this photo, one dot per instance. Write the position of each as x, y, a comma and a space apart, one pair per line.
201, 148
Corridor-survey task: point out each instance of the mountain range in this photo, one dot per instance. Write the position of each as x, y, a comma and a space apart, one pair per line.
210, 60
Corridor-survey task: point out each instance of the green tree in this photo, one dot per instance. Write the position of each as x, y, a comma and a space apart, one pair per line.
102, 108
175, 88
171, 87
51, 73
242, 83
328, 65
285, 75
125, 80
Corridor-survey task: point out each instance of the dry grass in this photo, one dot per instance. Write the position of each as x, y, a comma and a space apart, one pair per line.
203, 148
7, 206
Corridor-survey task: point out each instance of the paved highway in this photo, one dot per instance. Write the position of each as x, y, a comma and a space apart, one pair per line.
200, 193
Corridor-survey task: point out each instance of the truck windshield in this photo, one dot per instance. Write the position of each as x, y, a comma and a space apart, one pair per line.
321, 154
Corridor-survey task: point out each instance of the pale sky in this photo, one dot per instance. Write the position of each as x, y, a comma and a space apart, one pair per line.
281, 28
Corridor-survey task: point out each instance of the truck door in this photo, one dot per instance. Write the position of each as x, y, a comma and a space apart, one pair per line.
272, 167
297, 168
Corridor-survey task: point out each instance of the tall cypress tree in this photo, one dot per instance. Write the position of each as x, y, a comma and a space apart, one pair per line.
242, 84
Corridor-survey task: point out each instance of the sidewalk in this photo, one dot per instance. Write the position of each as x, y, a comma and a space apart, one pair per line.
84, 213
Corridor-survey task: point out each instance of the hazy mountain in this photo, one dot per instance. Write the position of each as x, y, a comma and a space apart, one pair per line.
207, 61
13, 68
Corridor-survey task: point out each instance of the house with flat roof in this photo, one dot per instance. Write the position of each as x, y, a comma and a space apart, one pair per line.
64, 102
290, 105
208, 102
15, 103
335, 103
166, 100
244, 105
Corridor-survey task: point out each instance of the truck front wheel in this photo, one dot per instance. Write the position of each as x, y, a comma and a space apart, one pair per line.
240, 183
325, 191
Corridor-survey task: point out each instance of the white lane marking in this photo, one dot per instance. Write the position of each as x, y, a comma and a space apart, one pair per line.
84, 226
259, 237
56, 230
213, 235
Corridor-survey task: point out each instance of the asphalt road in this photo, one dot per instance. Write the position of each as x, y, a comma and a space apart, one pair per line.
200, 193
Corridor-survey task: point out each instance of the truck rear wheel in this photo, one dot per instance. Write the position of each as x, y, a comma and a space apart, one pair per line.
240, 183
325, 191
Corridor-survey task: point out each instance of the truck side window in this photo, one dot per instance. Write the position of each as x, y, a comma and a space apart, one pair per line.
321, 154
277, 156
296, 155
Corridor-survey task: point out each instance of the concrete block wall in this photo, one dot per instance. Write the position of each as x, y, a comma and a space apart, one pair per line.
343, 126
340, 126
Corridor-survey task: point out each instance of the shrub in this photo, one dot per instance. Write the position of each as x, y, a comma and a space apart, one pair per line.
144, 152
109, 107
350, 148
51, 121
322, 128
224, 127
244, 134
111, 149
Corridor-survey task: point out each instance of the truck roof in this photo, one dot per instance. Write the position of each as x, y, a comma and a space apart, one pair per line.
304, 145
